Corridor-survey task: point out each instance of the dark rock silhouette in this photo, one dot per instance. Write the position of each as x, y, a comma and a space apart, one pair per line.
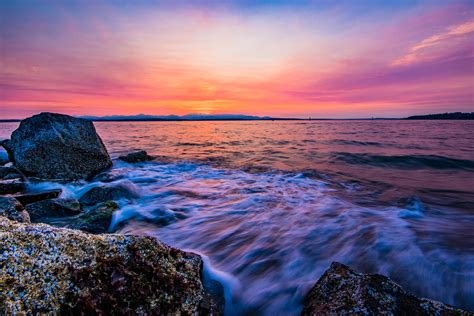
138, 156
342, 291
444, 116
57, 147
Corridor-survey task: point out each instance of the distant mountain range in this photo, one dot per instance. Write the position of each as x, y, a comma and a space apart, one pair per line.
188, 117
241, 117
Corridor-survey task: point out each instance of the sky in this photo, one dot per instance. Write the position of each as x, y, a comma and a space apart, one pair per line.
321, 58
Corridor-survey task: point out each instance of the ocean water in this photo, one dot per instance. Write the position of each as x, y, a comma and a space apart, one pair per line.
271, 204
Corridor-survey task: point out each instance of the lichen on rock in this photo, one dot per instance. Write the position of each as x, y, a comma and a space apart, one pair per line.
44, 269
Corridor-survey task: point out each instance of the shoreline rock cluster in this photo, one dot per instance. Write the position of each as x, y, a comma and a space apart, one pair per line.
77, 268
56, 255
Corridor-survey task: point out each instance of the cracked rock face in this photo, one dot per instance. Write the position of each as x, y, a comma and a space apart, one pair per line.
46, 269
57, 147
342, 291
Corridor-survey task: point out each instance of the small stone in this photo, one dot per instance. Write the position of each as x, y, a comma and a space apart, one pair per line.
11, 186
28, 198
12, 209
138, 156
53, 208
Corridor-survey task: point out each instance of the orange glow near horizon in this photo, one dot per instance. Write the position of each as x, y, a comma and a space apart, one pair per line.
301, 61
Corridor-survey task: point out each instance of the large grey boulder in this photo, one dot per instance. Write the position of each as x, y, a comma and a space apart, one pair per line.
57, 147
58, 271
342, 291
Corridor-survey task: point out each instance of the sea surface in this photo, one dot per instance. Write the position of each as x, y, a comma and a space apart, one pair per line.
272, 203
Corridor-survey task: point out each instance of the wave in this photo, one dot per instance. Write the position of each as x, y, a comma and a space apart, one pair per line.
357, 143
405, 161
274, 234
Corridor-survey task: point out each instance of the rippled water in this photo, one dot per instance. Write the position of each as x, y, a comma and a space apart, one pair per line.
271, 204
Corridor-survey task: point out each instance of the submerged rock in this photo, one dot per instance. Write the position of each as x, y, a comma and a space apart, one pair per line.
11, 186
53, 208
28, 198
12, 209
97, 220
138, 156
342, 291
106, 193
57, 147
44, 269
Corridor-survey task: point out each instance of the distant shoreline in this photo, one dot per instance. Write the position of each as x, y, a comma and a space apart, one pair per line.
441, 116
235, 119
273, 119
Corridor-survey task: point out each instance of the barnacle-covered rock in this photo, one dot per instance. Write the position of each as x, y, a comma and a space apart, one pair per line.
44, 269
342, 291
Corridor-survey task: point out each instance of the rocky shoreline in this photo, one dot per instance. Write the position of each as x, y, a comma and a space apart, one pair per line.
57, 255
